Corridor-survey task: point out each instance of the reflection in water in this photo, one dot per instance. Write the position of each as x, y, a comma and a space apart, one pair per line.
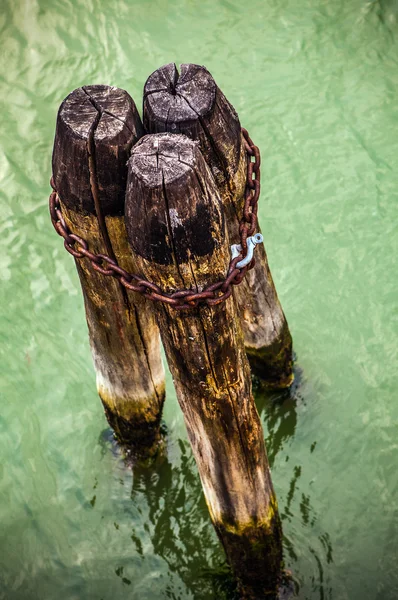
279, 411
386, 11
180, 529
176, 520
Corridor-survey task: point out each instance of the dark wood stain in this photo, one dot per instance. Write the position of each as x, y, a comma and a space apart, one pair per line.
175, 229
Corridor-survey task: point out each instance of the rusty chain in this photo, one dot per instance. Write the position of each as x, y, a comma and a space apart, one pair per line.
181, 299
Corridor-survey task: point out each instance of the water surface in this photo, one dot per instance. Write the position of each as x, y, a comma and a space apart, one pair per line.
315, 84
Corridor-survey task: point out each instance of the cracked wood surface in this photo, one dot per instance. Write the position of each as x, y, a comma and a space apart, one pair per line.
96, 129
191, 103
182, 242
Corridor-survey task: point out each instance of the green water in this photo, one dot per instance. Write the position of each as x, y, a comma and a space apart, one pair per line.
315, 84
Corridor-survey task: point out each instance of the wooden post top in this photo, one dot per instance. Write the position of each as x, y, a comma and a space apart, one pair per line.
192, 103
173, 208
101, 122
183, 97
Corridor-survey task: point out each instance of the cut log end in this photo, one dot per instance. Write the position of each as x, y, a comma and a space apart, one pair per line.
101, 123
170, 97
191, 103
164, 169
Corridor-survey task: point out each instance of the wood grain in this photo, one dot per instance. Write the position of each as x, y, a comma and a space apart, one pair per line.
182, 242
96, 129
191, 103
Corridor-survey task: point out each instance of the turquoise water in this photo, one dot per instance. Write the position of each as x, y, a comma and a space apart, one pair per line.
315, 84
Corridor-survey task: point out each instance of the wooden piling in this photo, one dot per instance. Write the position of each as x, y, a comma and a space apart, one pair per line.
96, 129
176, 229
191, 103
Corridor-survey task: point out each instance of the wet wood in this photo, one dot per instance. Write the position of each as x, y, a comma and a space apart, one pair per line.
96, 129
191, 103
182, 242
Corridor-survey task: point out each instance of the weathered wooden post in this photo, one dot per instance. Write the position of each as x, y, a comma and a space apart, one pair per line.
191, 103
176, 229
96, 129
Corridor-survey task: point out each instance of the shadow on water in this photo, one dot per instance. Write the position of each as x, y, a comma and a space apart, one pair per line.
177, 522
278, 408
280, 411
180, 528
385, 11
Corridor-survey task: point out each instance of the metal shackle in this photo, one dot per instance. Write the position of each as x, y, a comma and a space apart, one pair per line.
252, 242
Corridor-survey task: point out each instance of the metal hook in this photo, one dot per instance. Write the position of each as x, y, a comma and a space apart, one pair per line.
236, 250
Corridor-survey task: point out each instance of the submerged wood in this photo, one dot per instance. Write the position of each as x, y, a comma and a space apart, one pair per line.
182, 242
96, 129
191, 103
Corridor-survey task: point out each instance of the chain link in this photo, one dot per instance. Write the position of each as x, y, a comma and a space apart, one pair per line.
182, 299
